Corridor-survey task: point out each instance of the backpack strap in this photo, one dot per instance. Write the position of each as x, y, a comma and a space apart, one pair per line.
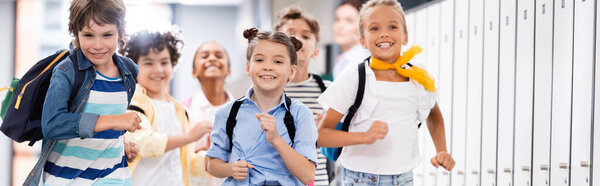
360, 92
319, 81
231, 121
79, 77
289, 120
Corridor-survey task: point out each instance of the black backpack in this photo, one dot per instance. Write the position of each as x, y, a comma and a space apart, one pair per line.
22, 120
231, 121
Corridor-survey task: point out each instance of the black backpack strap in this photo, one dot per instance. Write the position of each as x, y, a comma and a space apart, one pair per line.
320, 82
360, 92
140, 110
130, 66
289, 120
231, 121
357, 101
79, 77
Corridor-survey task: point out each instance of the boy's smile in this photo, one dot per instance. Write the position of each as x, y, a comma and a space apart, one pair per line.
98, 42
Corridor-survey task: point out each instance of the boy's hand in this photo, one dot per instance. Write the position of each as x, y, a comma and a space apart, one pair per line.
199, 130
268, 124
377, 131
239, 169
444, 159
131, 151
129, 121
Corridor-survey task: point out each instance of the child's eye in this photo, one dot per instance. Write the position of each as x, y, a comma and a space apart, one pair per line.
108, 35
374, 29
278, 62
87, 35
393, 27
259, 60
204, 56
164, 63
305, 37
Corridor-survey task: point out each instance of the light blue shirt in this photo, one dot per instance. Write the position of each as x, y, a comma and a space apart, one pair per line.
250, 143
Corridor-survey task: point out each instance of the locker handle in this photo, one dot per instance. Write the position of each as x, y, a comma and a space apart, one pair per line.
525, 168
475, 172
585, 164
460, 172
544, 167
491, 171
444, 173
431, 174
563, 165
507, 170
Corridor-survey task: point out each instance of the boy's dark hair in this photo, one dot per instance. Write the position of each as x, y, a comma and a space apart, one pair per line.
292, 44
295, 12
354, 3
140, 43
100, 12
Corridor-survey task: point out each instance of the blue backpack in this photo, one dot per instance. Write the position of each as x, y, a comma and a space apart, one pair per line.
22, 114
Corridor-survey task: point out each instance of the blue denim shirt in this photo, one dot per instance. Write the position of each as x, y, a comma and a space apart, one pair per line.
250, 143
60, 122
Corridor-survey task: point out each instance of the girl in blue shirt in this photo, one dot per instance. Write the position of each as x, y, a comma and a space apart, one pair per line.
262, 152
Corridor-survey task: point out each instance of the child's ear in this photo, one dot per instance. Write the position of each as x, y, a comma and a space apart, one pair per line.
363, 43
248, 69
315, 54
405, 42
292, 73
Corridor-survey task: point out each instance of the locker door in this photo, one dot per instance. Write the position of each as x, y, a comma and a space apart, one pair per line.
583, 65
421, 59
459, 105
523, 96
474, 93
506, 99
561, 92
595, 178
542, 92
445, 78
489, 120
432, 65
410, 24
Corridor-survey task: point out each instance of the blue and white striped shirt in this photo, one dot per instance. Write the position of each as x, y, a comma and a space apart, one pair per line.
97, 160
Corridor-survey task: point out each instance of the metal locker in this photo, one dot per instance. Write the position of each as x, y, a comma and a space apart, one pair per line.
542, 91
432, 64
506, 94
595, 176
459, 105
562, 75
489, 120
420, 29
583, 65
445, 78
526, 15
474, 93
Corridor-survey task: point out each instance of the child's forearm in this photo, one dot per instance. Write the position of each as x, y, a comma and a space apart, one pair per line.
218, 168
176, 141
329, 137
104, 122
301, 167
435, 124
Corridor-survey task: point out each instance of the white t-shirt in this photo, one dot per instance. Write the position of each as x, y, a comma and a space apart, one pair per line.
402, 105
165, 169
